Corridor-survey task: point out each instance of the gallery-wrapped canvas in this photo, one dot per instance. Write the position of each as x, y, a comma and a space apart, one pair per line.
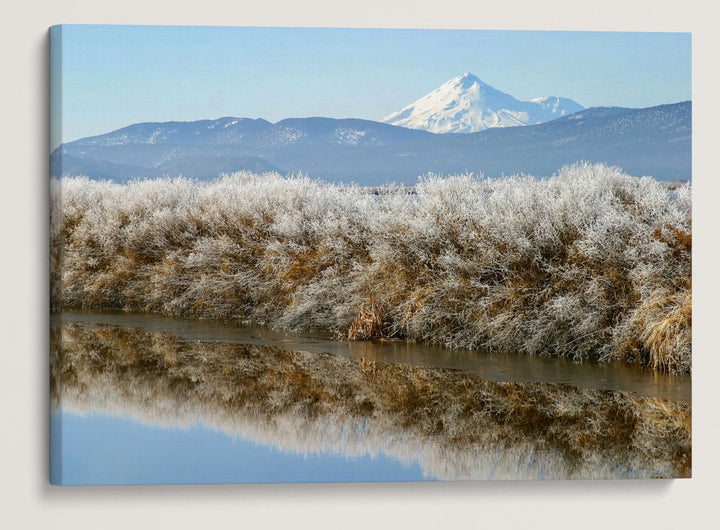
342, 255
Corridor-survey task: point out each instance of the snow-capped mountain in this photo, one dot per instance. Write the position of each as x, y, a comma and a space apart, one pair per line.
466, 104
557, 106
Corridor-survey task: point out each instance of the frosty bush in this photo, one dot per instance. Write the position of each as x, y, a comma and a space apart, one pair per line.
588, 263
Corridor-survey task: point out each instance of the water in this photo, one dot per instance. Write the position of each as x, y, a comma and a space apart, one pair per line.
616, 375
142, 399
107, 449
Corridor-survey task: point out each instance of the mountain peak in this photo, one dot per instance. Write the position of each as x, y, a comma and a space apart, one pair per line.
467, 78
466, 104
467, 81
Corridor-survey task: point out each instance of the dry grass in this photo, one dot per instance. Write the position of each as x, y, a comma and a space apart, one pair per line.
588, 263
369, 324
667, 331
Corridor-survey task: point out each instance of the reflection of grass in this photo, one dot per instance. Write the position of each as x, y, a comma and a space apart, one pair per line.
450, 417
589, 263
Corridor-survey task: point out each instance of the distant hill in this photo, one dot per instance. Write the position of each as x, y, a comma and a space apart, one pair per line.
653, 141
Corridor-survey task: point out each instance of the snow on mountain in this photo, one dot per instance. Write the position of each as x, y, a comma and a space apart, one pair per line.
558, 106
466, 104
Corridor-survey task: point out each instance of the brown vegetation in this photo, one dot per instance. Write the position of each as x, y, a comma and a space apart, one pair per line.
369, 324
591, 263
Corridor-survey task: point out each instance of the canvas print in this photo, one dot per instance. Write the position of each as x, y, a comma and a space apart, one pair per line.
343, 255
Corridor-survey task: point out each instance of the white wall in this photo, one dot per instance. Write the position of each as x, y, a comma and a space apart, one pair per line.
26, 499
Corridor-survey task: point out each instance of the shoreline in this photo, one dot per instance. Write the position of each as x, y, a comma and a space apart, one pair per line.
590, 374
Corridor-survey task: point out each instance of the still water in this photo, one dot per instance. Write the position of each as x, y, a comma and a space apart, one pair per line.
107, 449
494, 366
140, 399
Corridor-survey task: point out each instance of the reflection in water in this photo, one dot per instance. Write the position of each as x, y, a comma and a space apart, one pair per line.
455, 425
519, 368
110, 449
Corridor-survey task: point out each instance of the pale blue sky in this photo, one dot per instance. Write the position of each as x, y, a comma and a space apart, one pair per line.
114, 76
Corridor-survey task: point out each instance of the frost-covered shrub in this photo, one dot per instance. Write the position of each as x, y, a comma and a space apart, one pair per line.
588, 263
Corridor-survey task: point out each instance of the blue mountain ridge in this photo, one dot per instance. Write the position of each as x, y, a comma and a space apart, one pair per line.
653, 141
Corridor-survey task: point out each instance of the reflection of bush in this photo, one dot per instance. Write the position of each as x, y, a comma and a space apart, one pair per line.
456, 425
588, 263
